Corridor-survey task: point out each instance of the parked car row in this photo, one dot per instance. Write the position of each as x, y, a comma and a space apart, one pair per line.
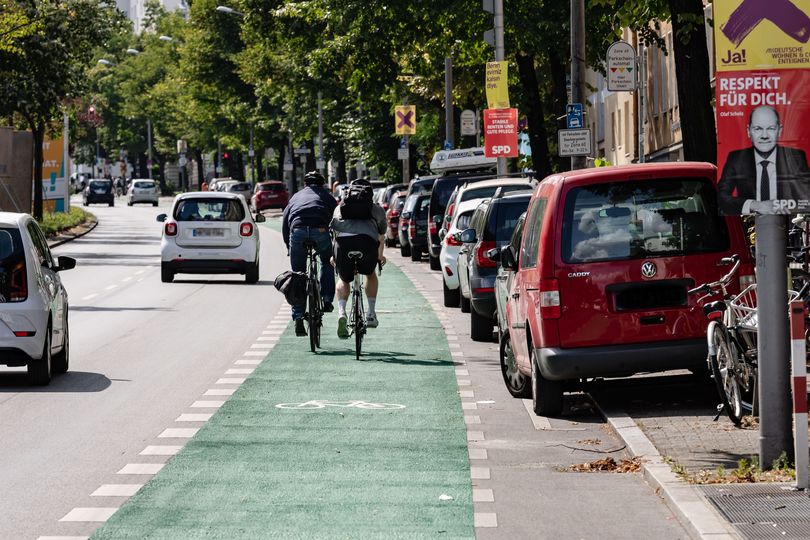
581, 275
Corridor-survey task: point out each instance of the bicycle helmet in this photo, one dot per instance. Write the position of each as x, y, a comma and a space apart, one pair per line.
314, 177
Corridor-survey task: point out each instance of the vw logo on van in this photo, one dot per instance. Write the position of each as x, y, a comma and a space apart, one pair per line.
648, 269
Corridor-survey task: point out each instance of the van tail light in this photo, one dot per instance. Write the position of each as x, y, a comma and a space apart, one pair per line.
481, 258
550, 307
18, 290
246, 229
450, 211
747, 276
411, 224
448, 271
450, 241
170, 229
434, 228
25, 333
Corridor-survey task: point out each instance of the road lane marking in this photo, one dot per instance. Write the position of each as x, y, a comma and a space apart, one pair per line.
247, 362
160, 450
485, 519
232, 380
220, 392
472, 419
116, 490
463, 382
194, 417
267, 338
207, 404
473, 436
255, 353
478, 453
462, 372
466, 393
262, 345
483, 495
178, 433
456, 353
239, 371
90, 296
63, 538
479, 473
89, 514
128, 278
274, 336
468, 406
141, 468
110, 287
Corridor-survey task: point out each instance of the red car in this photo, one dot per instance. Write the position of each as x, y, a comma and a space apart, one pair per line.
601, 278
395, 205
271, 194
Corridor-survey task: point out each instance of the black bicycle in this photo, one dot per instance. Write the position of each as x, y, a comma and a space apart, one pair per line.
314, 312
357, 317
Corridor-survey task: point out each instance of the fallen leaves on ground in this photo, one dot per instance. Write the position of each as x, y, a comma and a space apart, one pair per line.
609, 464
594, 442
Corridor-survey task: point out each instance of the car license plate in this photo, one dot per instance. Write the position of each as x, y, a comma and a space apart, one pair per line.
207, 232
100, 192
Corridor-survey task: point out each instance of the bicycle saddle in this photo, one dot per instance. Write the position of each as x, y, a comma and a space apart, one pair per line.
712, 307
355, 255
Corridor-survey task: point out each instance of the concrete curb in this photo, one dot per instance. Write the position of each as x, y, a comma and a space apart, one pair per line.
696, 513
73, 233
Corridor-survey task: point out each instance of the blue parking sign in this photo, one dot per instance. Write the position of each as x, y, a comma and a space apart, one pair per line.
573, 116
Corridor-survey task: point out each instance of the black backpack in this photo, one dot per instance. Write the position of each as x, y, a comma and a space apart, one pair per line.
357, 202
293, 285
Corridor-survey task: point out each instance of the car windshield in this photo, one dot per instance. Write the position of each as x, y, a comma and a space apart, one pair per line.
144, 185
271, 187
209, 210
503, 217
241, 186
12, 262
489, 191
647, 218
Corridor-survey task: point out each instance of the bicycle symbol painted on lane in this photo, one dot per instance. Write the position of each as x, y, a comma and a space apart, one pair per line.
355, 404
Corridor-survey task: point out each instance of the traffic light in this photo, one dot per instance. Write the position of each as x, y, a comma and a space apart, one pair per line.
225, 155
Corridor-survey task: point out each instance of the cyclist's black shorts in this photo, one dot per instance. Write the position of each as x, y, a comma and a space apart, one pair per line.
355, 242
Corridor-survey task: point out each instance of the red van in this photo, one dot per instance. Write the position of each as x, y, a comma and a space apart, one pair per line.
606, 259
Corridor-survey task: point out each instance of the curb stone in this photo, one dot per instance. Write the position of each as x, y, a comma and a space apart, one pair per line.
697, 514
74, 232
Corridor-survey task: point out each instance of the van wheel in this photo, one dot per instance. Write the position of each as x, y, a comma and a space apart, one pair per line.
434, 263
546, 395
480, 327
464, 302
61, 360
404, 250
451, 296
416, 255
252, 274
39, 371
516, 382
166, 275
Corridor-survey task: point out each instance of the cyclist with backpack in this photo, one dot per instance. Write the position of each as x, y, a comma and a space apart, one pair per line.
306, 219
359, 225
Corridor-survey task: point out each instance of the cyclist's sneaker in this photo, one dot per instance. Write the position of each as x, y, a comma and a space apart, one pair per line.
371, 320
343, 328
299, 328
328, 307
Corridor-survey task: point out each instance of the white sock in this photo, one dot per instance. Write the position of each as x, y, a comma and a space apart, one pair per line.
372, 302
342, 308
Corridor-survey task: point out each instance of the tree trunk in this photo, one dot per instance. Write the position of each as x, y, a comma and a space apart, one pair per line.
534, 112
38, 129
240, 167
260, 167
341, 159
560, 98
162, 172
694, 87
198, 157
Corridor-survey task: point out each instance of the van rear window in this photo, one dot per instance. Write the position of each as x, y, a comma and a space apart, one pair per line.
639, 219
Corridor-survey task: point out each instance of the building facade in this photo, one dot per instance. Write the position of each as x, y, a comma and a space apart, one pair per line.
136, 9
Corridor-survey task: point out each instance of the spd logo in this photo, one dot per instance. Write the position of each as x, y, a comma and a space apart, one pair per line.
501, 150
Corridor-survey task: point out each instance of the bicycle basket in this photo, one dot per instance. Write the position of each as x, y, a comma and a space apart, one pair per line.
744, 307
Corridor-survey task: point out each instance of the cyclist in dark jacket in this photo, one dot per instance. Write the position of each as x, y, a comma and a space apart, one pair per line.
306, 218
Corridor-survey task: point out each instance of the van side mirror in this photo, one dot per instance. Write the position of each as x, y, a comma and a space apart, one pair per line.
508, 258
468, 236
260, 218
161, 217
65, 263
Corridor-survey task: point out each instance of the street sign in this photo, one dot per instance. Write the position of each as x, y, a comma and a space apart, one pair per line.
621, 67
403, 153
403, 142
182, 146
573, 116
574, 142
500, 133
251, 152
320, 164
288, 166
405, 120
467, 122
182, 161
301, 151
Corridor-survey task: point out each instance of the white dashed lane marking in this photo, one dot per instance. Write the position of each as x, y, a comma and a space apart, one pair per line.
255, 353
158, 450
485, 519
89, 514
239, 371
110, 287
207, 404
247, 362
178, 433
90, 296
219, 392
141, 468
117, 490
483, 495
478, 453
194, 417
232, 380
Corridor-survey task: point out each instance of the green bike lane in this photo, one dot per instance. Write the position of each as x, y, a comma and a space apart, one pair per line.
256, 470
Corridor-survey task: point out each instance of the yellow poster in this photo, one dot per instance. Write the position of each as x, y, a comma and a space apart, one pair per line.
754, 34
497, 81
405, 119
54, 185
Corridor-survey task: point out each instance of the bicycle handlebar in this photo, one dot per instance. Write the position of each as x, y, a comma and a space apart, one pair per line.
722, 283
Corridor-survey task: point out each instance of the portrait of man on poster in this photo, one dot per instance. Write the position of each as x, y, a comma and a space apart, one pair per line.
754, 177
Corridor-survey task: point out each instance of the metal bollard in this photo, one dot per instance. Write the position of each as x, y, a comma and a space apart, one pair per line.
799, 369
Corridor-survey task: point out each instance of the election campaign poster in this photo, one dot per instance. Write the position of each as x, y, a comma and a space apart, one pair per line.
763, 106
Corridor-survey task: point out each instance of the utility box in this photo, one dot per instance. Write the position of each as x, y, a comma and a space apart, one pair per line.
16, 170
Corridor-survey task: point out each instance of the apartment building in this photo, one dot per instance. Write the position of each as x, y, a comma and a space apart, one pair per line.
136, 9
613, 116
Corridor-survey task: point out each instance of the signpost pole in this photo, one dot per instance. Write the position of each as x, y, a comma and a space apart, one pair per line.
500, 52
641, 105
578, 64
406, 163
448, 102
66, 160
149, 147
321, 161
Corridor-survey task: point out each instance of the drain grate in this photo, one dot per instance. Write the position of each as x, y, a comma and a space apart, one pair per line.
768, 531
764, 507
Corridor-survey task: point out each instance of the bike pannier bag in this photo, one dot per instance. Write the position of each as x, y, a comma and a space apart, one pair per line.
293, 285
357, 203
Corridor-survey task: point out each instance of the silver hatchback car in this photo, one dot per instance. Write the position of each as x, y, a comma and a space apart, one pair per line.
33, 302
143, 191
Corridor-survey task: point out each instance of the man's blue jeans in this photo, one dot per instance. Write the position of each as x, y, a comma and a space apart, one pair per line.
298, 260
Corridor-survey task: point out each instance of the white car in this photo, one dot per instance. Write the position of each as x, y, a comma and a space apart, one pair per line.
209, 233
245, 189
448, 256
33, 302
143, 191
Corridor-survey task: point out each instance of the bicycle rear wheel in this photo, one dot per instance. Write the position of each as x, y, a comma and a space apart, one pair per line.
359, 323
312, 320
724, 372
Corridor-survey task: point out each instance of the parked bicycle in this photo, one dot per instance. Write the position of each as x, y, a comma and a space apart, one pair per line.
314, 313
732, 341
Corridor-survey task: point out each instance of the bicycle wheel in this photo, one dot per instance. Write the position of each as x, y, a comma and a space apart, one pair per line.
725, 375
359, 323
312, 319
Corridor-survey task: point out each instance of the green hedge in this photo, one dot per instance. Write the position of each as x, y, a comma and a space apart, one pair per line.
53, 223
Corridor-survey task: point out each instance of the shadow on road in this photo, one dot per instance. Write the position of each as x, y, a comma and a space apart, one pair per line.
70, 382
101, 308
